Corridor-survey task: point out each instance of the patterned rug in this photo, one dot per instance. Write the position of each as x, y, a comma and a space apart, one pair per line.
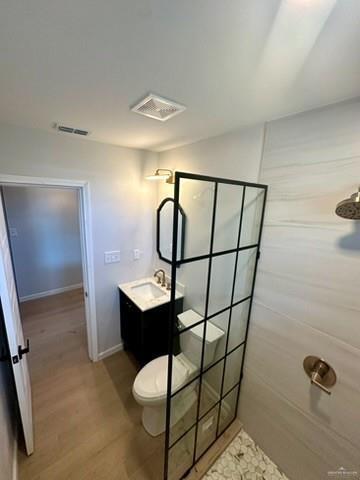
244, 460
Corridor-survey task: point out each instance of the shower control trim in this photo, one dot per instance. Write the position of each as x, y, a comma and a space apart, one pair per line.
320, 373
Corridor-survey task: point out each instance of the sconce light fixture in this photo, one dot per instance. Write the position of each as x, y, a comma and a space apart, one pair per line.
162, 174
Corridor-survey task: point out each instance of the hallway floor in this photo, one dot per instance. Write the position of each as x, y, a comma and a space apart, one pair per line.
87, 424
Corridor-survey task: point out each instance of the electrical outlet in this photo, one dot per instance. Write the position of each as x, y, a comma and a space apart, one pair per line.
13, 232
112, 257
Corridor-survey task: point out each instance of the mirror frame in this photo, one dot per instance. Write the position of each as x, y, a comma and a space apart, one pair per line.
182, 232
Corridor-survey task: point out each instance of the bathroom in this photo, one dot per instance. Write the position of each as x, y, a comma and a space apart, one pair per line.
291, 141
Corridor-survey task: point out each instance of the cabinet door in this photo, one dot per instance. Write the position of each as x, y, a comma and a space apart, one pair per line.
130, 323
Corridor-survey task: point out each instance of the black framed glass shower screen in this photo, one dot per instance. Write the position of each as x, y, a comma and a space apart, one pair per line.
208, 341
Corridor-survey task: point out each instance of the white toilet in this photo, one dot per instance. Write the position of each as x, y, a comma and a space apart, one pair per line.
150, 385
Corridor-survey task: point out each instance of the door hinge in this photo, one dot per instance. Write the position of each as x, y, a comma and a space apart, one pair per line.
258, 254
24, 350
86, 294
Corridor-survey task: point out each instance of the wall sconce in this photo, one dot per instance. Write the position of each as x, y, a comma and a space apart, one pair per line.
162, 174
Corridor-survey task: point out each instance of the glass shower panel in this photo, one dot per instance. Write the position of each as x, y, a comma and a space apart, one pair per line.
228, 409
245, 274
223, 219
221, 282
189, 346
196, 198
181, 456
211, 387
239, 318
227, 219
233, 369
183, 410
193, 276
221, 321
206, 431
252, 213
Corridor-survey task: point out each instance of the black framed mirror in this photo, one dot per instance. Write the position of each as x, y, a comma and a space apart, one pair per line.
164, 227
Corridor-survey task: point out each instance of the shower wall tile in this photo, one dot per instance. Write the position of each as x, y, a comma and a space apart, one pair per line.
276, 349
309, 138
302, 447
307, 297
312, 285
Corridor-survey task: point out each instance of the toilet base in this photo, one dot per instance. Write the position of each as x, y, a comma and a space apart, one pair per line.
154, 417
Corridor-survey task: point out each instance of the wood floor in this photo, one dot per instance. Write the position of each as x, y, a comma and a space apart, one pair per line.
87, 424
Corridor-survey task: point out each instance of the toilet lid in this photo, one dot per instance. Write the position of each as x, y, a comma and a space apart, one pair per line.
151, 381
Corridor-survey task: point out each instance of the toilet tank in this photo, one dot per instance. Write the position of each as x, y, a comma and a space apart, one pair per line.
191, 340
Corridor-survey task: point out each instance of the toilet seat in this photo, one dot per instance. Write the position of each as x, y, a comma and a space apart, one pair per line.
151, 382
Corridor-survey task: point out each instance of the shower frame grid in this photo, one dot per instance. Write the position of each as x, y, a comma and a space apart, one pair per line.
173, 331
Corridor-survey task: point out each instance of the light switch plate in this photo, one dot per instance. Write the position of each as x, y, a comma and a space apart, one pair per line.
13, 232
112, 257
137, 254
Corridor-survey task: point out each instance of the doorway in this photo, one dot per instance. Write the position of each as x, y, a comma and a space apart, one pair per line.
80, 190
57, 314
44, 234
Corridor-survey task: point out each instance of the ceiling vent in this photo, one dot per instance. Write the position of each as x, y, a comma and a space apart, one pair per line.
66, 129
157, 107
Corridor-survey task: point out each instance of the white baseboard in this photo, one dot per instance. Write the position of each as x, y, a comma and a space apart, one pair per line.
111, 351
55, 291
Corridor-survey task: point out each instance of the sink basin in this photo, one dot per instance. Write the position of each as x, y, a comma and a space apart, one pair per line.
148, 291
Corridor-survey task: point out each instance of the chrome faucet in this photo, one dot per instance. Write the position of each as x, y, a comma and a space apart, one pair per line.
156, 275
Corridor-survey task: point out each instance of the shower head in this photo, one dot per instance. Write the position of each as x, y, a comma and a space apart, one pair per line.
349, 208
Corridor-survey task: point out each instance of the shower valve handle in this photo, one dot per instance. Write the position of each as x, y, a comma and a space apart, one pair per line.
320, 373
314, 375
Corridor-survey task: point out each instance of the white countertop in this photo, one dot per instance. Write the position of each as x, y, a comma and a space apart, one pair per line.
146, 304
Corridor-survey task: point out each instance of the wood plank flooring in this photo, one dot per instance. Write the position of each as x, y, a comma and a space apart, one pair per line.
87, 424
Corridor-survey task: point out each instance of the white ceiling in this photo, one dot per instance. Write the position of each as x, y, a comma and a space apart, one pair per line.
231, 62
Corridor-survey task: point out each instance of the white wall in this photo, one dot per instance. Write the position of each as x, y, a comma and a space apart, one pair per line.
233, 155
307, 297
46, 246
122, 203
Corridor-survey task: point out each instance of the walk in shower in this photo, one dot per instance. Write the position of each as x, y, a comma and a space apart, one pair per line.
217, 266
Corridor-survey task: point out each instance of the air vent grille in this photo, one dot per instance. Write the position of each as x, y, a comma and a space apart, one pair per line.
66, 129
158, 108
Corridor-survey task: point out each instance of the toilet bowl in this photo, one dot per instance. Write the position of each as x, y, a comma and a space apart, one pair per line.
150, 385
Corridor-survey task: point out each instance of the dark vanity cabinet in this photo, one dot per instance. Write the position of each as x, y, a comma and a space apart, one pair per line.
146, 334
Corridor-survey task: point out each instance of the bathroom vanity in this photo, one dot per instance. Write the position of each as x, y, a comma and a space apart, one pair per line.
145, 318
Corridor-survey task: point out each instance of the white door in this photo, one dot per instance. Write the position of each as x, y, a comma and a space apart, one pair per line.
10, 306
